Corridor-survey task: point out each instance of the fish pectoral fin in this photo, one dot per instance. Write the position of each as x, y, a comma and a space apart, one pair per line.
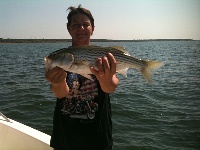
88, 76
123, 72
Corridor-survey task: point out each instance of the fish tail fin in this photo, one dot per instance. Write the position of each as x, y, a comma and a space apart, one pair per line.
149, 70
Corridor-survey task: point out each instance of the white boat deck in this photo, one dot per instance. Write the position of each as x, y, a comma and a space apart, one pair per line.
17, 136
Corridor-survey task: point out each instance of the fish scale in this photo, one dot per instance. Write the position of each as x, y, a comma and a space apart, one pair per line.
98, 51
79, 59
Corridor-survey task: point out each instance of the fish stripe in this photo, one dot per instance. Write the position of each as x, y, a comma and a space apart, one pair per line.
93, 53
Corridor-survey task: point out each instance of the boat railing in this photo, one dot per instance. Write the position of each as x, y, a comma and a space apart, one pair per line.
4, 117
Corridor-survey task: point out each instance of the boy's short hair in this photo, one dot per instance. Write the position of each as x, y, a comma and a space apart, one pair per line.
79, 10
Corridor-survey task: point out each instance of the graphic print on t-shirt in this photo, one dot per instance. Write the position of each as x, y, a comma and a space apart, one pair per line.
79, 102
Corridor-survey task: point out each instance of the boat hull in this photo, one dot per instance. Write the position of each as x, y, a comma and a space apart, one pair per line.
17, 136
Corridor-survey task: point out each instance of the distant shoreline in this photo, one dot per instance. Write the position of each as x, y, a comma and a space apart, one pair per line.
92, 40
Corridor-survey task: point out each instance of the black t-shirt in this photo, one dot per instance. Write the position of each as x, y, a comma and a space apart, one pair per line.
82, 120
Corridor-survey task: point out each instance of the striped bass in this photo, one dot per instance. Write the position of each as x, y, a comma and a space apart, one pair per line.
79, 59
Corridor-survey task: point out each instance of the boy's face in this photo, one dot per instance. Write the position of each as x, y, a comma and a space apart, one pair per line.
80, 28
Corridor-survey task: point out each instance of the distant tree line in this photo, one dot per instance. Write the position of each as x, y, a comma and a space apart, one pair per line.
92, 40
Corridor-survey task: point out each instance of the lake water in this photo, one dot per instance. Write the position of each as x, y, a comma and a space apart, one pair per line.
164, 115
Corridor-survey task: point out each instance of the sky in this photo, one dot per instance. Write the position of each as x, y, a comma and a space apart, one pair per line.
114, 19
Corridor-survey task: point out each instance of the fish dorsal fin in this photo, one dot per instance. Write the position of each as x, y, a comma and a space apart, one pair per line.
122, 49
86, 46
119, 48
94, 46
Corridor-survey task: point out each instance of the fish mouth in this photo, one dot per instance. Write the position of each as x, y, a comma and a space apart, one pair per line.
45, 60
47, 63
